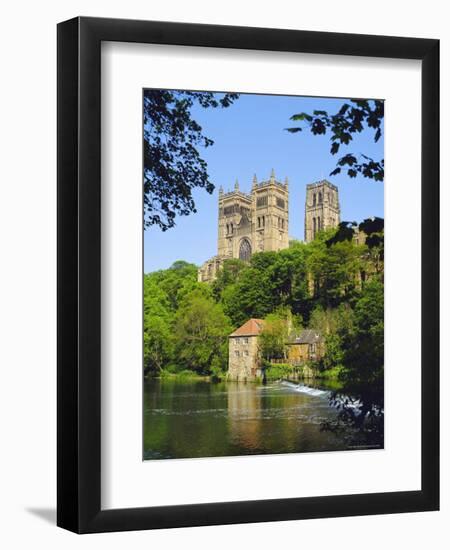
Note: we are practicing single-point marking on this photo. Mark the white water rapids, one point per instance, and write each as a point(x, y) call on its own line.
point(315, 392)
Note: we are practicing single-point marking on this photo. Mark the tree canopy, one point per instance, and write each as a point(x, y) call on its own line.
point(352, 118)
point(173, 165)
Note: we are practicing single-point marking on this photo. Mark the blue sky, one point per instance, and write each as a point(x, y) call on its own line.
point(250, 137)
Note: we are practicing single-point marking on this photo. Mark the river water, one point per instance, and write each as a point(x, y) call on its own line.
point(187, 419)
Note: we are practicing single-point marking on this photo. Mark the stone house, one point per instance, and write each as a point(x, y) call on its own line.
point(244, 358)
point(309, 345)
point(244, 362)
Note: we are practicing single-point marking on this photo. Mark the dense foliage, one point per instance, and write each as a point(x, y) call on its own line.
point(332, 284)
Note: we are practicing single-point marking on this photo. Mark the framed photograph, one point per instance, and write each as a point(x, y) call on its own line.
point(248, 256)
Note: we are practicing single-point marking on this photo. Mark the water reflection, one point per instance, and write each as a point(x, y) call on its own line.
point(201, 419)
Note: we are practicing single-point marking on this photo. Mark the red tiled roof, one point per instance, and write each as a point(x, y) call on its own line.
point(252, 327)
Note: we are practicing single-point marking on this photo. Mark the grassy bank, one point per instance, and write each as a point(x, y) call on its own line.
point(165, 374)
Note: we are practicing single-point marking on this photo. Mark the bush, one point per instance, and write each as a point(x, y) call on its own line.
point(185, 374)
point(278, 371)
point(331, 374)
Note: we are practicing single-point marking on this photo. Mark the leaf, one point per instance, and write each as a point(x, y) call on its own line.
point(302, 116)
point(294, 130)
point(320, 113)
point(377, 134)
point(318, 127)
point(334, 148)
point(343, 109)
point(335, 171)
point(347, 159)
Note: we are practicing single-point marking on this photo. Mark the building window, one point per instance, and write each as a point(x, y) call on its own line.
point(261, 201)
point(314, 227)
point(259, 222)
point(245, 250)
point(314, 199)
point(246, 353)
point(245, 340)
point(236, 353)
point(320, 197)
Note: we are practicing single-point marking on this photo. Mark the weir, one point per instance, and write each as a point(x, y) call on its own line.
point(301, 388)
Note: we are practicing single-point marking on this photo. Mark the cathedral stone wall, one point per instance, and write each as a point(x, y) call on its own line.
point(259, 221)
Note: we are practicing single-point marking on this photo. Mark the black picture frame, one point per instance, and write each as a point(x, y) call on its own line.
point(79, 280)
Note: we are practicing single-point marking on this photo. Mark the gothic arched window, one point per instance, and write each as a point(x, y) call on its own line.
point(314, 199)
point(245, 250)
point(320, 197)
point(314, 226)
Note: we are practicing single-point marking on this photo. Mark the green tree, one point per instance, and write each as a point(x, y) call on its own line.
point(201, 332)
point(227, 276)
point(158, 344)
point(335, 325)
point(335, 270)
point(274, 335)
point(176, 281)
point(250, 296)
point(173, 166)
point(158, 341)
point(363, 375)
point(271, 280)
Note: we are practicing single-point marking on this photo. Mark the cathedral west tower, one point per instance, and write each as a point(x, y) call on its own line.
point(250, 222)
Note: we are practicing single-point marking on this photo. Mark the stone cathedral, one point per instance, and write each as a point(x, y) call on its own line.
point(259, 221)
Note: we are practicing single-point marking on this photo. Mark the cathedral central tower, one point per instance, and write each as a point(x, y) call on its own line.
point(322, 208)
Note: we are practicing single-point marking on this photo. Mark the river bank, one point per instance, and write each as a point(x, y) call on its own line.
point(329, 379)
